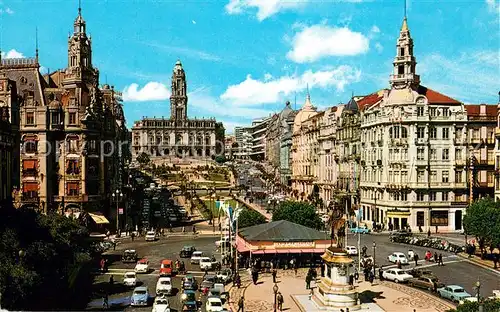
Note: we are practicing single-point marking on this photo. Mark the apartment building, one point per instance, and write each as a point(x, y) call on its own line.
point(258, 132)
point(497, 152)
point(305, 150)
point(7, 170)
point(415, 145)
point(64, 123)
point(243, 146)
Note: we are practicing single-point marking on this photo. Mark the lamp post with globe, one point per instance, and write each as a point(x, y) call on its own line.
point(275, 290)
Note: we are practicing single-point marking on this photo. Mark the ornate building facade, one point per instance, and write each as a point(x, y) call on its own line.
point(71, 132)
point(7, 175)
point(178, 136)
point(415, 144)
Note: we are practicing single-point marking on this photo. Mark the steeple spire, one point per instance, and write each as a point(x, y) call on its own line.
point(80, 7)
point(36, 44)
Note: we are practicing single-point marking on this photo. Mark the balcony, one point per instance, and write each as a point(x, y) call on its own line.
point(460, 162)
point(421, 141)
point(30, 173)
point(29, 199)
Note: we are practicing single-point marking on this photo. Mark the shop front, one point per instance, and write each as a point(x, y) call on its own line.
point(280, 242)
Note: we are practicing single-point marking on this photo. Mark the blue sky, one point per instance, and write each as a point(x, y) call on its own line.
point(245, 58)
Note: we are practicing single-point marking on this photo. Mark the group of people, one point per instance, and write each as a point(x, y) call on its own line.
point(436, 258)
point(180, 266)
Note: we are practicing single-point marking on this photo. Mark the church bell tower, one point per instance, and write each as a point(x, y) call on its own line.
point(404, 74)
point(178, 98)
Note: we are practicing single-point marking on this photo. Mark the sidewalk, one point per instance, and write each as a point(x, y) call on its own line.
point(386, 295)
point(257, 208)
point(487, 264)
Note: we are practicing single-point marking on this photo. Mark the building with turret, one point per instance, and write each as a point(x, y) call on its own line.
point(178, 136)
point(71, 132)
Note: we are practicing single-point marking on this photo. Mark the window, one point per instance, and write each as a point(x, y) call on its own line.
point(72, 188)
point(72, 119)
point(92, 147)
point(404, 196)
point(446, 154)
point(420, 176)
point(404, 176)
point(420, 196)
point(490, 177)
point(433, 176)
point(432, 132)
point(73, 145)
point(433, 154)
point(402, 51)
point(30, 168)
point(30, 189)
point(420, 132)
point(458, 176)
point(55, 118)
point(30, 146)
point(446, 111)
point(445, 176)
point(420, 153)
point(401, 70)
point(458, 133)
point(458, 154)
point(445, 196)
point(439, 218)
point(404, 133)
point(432, 112)
point(432, 196)
point(420, 218)
point(446, 133)
point(72, 167)
point(420, 111)
point(30, 118)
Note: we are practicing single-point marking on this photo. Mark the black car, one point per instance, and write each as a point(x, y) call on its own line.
point(187, 251)
point(130, 255)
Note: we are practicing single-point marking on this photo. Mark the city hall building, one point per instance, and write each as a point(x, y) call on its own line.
point(177, 136)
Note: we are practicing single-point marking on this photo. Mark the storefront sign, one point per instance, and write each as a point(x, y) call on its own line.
point(279, 245)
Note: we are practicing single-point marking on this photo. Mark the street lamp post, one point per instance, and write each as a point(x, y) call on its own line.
point(477, 287)
point(374, 247)
point(117, 196)
point(275, 290)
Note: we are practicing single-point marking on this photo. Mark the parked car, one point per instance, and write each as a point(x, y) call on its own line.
point(396, 275)
point(225, 276)
point(195, 257)
point(166, 268)
point(187, 251)
point(426, 282)
point(189, 283)
point(398, 256)
point(151, 236)
point(351, 250)
point(140, 296)
point(360, 230)
point(164, 286)
point(161, 304)
point(142, 266)
point(454, 293)
point(421, 272)
point(213, 304)
point(129, 255)
point(207, 263)
point(130, 279)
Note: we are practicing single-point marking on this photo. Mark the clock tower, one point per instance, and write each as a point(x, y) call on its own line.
point(178, 98)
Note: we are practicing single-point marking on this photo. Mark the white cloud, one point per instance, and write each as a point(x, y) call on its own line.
point(194, 22)
point(379, 47)
point(257, 92)
point(12, 54)
point(493, 5)
point(9, 11)
point(265, 8)
point(152, 91)
point(318, 41)
point(375, 29)
point(471, 77)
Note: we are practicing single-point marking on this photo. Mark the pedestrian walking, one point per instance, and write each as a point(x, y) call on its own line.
point(441, 259)
point(399, 265)
point(308, 281)
point(429, 233)
point(275, 272)
point(132, 235)
point(415, 257)
point(241, 304)
point(279, 298)
point(105, 301)
point(436, 258)
point(111, 281)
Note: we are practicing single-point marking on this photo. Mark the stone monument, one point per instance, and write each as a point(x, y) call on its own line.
point(334, 292)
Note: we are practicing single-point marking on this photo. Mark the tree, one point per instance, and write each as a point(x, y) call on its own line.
point(482, 220)
point(488, 306)
point(143, 159)
point(250, 217)
point(46, 261)
point(300, 213)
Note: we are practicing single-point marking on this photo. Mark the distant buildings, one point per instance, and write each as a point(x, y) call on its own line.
point(178, 136)
point(69, 143)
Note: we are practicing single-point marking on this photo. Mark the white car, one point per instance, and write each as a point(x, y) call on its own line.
point(398, 256)
point(195, 257)
point(151, 236)
point(164, 286)
point(396, 275)
point(225, 275)
point(130, 279)
point(213, 304)
point(222, 241)
point(351, 250)
point(161, 305)
point(142, 266)
point(207, 264)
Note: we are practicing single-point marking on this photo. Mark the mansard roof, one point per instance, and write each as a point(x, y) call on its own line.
point(474, 110)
